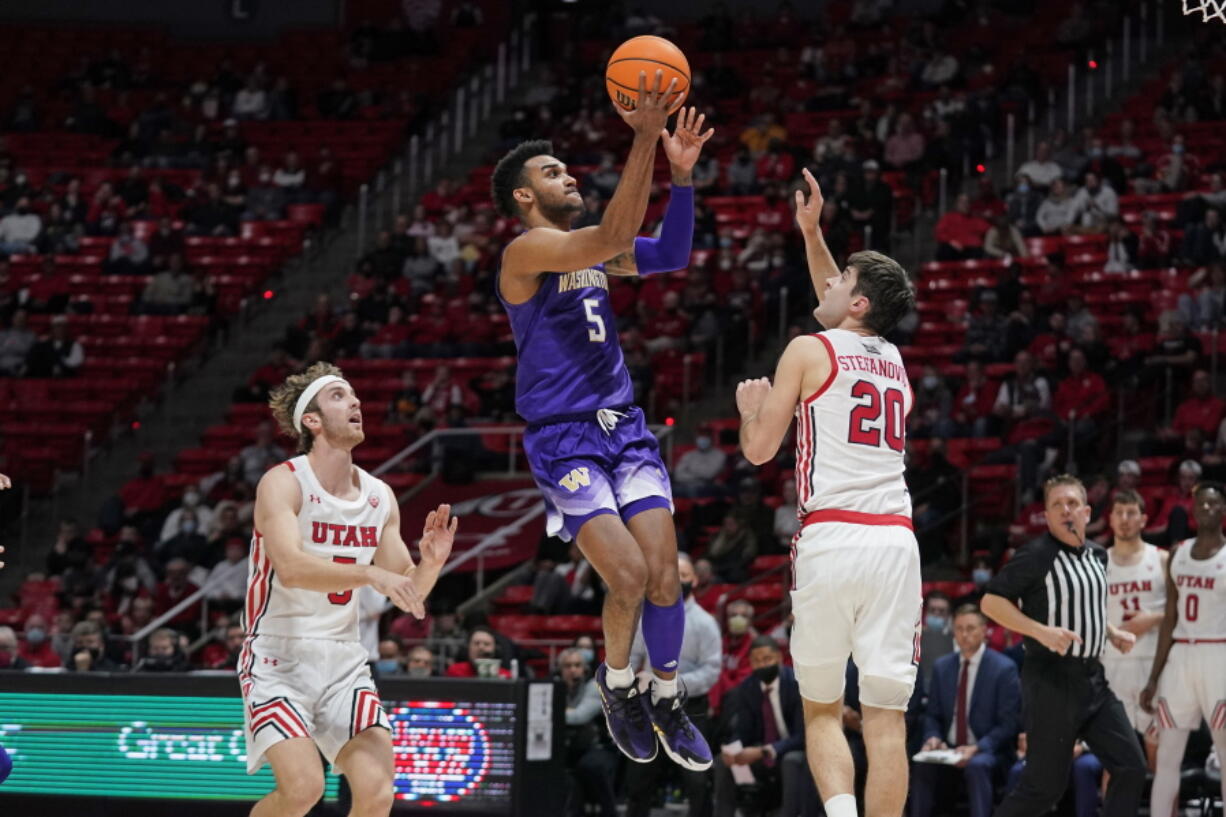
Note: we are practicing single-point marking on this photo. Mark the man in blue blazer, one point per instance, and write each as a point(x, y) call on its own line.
point(974, 702)
point(770, 692)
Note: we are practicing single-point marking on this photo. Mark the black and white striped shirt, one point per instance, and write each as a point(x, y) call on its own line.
point(1060, 586)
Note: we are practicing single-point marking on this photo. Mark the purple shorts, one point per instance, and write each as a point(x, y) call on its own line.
point(584, 471)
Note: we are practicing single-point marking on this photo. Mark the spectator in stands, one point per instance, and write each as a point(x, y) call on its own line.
point(698, 468)
point(1058, 212)
point(1095, 204)
point(750, 506)
point(1176, 352)
point(761, 132)
point(871, 203)
point(444, 247)
point(974, 701)
point(1121, 247)
point(960, 234)
point(732, 549)
point(88, 649)
point(142, 496)
point(936, 639)
point(936, 491)
point(36, 647)
point(985, 334)
point(265, 200)
point(20, 229)
point(261, 454)
point(390, 661)
point(128, 254)
point(127, 570)
point(165, 242)
point(229, 524)
point(211, 215)
point(56, 355)
point(251, 102)
point(1192, 208)
point(482, 647)
point(187, 543)
point(587, 757)
point(165, 654)
point(174, 589)
point(420, 662)
point(768, 720)
point(930, 412)
point(1082, 399)
point(227, 580)
point(191, 501)
point(442, 392)
point(1205, 242)
point(905, 147)
point(10, 657)
point(1022, 206)
point(290, 177)
point(1042, 170)
point(739, 634)
point(1178, 169)
point(974, 402)
point(1201, 410)
point(742, 174)
point(1087, 771)
point(233, 637)
point(787, 521)
point(1003, 239)
point(15, 344)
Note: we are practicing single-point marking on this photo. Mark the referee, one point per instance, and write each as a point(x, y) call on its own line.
point(1054, 592)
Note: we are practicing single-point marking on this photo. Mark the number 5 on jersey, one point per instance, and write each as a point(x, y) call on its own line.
point(596, 334)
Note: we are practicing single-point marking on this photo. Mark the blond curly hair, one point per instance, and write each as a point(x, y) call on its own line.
point(283, 398)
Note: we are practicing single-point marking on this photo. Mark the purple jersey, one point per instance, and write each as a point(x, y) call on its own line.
point(570, 357)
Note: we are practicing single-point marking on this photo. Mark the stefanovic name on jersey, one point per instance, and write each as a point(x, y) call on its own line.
point(882, 368)
point(582, 279)
point(347, 536)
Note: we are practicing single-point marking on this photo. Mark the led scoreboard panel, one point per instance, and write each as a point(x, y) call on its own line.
point(461, 746)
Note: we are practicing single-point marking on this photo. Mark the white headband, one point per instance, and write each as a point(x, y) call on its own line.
point(308, 394)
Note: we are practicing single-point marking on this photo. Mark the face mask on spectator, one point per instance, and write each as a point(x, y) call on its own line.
point(1023, 188)
point(738, 624)
point(1176, 149)
point(930, 381)
point(703, 443)
point(189, 526)
point(36, 636)
point(980, 576)
point(589, 655)
point(767, 675)
point(934, 622)
point(1096, 153)
point(419, 672)
point(687, 589)
point(131, 584)
point(387, 666)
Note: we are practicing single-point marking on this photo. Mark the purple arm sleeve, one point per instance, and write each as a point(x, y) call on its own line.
point(671, 251)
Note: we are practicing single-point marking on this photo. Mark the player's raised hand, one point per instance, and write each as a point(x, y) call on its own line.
point(650, 113)
point(400, 589)
point(684, 144)
point(809, 214)
point(437, 536)
point(751, 394)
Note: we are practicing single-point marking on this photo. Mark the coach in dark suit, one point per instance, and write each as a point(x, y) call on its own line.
point(766, 715)
point(973, 705)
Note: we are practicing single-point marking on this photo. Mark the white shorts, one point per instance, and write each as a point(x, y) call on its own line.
point(1127, 676)
point(857, 593)
point(1192, 686)
point(305, 688)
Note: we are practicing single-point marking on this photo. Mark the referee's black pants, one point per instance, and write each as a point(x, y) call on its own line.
point(1066, 699)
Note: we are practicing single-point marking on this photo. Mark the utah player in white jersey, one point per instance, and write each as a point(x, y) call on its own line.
point(1136, 602)
point(855, 561)
point(324, 528)
point(1188, 679)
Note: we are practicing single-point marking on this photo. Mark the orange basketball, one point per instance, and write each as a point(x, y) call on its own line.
point(647, 54)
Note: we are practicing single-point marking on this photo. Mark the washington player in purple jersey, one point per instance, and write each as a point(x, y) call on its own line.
point(596, 463)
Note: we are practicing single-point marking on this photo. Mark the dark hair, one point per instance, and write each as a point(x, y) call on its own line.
point(509, 174)
point(1210, 485)
point(1128, 497)
point(764, 641)
point(970, 610)
point(884, 282)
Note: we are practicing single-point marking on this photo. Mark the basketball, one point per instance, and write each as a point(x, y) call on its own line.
point(647, 54)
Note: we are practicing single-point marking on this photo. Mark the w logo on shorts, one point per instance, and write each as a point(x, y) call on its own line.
point(576, 479)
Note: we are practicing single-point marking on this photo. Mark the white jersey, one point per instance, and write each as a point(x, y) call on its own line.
point(332, 529)
point(1202, 594)
point(1134, 589)
point(851, 431)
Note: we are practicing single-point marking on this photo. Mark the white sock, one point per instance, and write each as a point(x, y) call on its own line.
point(619, 678)
point(661, 688)
point(1165, 791)
point(841, 805)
